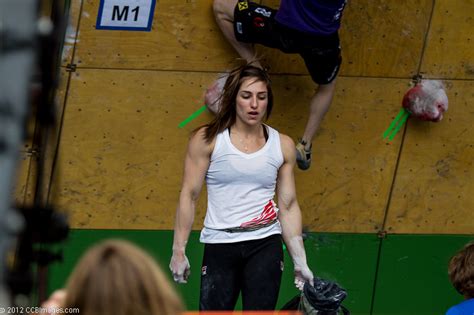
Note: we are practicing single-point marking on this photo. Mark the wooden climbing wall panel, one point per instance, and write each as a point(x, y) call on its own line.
point(450, 46)
point(121, 151)
point(181, 37)
point(347, 186)
point(433, 187)
point(384, 38)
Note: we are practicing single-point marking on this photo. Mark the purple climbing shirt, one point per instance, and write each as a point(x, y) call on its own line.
point(318, 17)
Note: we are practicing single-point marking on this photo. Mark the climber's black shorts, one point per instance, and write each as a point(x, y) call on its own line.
point(254, 23)
point(253, 268)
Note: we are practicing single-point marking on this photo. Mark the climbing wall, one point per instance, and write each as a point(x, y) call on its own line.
point(120, 149)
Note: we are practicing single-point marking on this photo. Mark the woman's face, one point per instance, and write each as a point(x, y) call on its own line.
point(251, 101)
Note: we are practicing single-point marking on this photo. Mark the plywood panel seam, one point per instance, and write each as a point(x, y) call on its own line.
point(410, 78)
point(28, 181)
point(149, 70)
point(375, 77)
point(58, 140)
point(271, 73)
point(66, 93)
point(425, 40)
point(32, 177)
point(190, 71)
point(376, 274)
point(392, 185)
point(77, 33)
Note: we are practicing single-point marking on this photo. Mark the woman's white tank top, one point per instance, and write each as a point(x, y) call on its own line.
point(240, 189)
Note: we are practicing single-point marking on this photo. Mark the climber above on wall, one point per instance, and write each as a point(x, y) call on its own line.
point(309, 28)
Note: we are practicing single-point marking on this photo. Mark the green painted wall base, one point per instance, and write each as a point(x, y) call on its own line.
point(400, 274)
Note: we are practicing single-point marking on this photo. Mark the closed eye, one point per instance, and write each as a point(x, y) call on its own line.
point(246, 95)
point(262, 96)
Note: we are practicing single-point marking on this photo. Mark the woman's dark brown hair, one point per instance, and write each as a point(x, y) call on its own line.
point(226, 115)
point(461, 271)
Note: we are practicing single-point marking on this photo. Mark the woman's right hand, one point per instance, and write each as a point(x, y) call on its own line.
point(180, 267)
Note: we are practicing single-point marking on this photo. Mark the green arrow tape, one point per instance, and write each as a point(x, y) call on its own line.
point(192, 116)
point(396, 124)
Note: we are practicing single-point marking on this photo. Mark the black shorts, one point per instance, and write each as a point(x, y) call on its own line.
point(253, 268)
point(254, 23)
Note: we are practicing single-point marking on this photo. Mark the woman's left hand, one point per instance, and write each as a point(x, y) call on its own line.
point(303, 274)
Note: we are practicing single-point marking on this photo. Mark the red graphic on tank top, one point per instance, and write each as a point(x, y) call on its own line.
point(267, 217)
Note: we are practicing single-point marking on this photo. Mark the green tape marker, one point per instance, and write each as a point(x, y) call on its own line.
point(402, 122)
point(389, 129)
point(192, 116)
point(396, 124)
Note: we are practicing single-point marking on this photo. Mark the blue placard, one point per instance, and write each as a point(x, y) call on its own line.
point(128, 15)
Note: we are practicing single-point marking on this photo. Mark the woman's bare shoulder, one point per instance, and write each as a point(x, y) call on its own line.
point(198, 140)
point(287, 147)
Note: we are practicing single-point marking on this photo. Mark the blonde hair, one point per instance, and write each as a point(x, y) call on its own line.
point(117, 278)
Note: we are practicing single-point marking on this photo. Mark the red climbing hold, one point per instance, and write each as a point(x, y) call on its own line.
point(427, 100)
